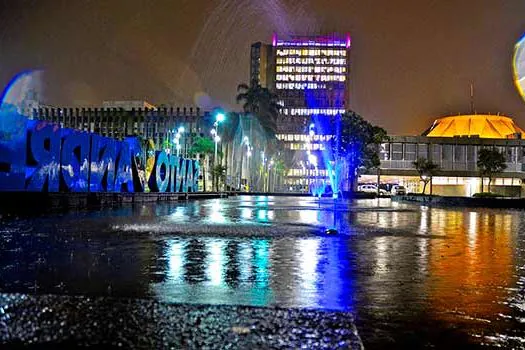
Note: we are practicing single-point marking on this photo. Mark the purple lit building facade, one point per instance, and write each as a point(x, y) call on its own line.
point(310, 74)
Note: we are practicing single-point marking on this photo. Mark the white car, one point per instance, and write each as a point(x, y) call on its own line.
point(398, 190)
point(370, 189)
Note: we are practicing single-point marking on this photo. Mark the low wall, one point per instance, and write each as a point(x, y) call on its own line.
point(444, 201)
point(43, 202)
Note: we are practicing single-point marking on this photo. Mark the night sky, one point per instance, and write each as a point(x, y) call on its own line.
point(413, 60)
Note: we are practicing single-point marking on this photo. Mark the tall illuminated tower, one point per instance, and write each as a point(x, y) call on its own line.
point(310, 74)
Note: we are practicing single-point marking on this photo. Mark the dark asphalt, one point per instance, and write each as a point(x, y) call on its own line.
point(50, 321)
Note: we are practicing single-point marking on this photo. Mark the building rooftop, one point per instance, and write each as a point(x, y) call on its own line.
point(128, 105)
point(333, 40)
point(475, 126)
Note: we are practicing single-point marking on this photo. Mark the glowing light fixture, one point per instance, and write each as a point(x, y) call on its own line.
point(220, 117)
point(519, 66)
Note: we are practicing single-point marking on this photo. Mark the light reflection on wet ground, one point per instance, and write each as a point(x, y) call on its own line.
point(412, 276)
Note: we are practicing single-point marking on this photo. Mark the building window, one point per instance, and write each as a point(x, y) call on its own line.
point(436, 153)
point(511, 154)
point(471, 153)
point(410, 151)
point(459, 153)
point(397, 151)
point(422, 150)
point(448, 152)
point(384, 153)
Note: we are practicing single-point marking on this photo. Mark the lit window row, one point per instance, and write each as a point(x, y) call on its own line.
point(303, 137)
point(307, 172)
point(336, 43)
point(310, 69)
point(299, 86)
point(307, 146)
point(310, 52)
point(310, 77)
point(312, 111)
point(312, 61)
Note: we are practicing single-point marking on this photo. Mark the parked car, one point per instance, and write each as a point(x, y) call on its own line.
point(371, 189)
point(398, 190)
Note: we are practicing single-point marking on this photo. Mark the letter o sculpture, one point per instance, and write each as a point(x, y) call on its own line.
point(162, 181)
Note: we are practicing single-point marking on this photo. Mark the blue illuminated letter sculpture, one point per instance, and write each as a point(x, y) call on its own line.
point(124, 179)
point(13, 133)
point(103, 155)
point(45, 151)
point(75, 161)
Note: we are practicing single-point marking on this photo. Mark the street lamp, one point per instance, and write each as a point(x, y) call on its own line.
point(249, 178)
point(311, 159)
point(271, 179)
point(245, 141)
point(177, 138)
point(220, 117)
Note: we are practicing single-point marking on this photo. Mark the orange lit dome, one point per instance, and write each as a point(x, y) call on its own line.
point(483, 126)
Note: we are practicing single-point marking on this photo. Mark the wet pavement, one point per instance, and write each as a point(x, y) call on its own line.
point(411, 276)
point(68, 322)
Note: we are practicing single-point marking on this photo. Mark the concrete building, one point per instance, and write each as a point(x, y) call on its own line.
point(128, 105)
point(453, 142)
point(159, 125)
point(310, 74)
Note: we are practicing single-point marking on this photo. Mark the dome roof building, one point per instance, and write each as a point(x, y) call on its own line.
point(475, 126)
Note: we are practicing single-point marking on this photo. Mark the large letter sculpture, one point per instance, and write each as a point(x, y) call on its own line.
point(195, 182)
point(39, 156)
point(75, 161)
point(103, 155)
point(13, 130)
point(124, 180)
point(45, 151)
point(160, 177)
point(174, 170)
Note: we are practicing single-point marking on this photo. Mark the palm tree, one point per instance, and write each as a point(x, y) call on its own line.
point(205, 147)
point(262, 103)
point(219, 175)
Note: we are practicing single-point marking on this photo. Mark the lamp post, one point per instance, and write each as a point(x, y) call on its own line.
point(262, 172)
point(219, 117)
point(248, 178)
point(271, 179)
point(177, 138)
point(311, 159)
point(244, 141)
point(304, 172)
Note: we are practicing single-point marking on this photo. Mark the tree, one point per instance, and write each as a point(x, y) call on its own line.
point(426, 170)
point(203, 146)
point(219, 174)
point(357, 141)
point(260, 102)
point(490, 162)
point(279, 169)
